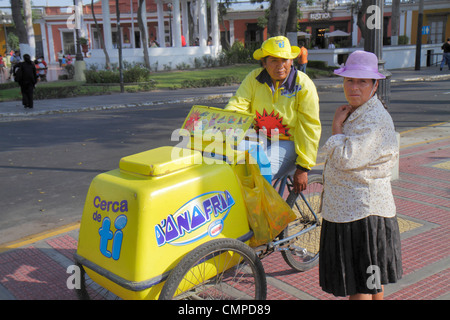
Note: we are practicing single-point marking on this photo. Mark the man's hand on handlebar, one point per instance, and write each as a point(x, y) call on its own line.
point(300, 180)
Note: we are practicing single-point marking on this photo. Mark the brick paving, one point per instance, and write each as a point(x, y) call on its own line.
point(421, 193)
point(39, 271)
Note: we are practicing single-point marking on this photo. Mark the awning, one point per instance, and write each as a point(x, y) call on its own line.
point(337, 33)
point(303, 34)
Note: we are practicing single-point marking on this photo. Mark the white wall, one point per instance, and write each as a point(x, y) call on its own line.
point(396, 57)
point(159, 57)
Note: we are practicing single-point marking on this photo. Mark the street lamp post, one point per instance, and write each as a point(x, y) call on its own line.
point(119, 47)
point(80, 64)
point(78, 55)
point(419, 36)
point(374, 43)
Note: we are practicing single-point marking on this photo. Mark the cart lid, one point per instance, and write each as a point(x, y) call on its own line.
point(160, 161)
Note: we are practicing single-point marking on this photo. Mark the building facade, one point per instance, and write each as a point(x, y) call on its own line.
point(189, 29)
point(317, 21)
point(176, 31)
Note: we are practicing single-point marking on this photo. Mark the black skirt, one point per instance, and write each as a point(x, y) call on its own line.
point(359, 256)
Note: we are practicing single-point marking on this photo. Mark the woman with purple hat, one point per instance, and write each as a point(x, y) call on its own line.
point(360, 241)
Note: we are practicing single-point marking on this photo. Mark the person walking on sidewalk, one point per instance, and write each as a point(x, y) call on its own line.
point(446, 57)
point(360, 239)
point(26, 76)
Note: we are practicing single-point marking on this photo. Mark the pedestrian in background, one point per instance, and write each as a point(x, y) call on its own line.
point(15, 60)
point(446, 57)
point(63, 61)
point(302, 58)
point(26, 77)
point(60, 57)
point(360, 238)
point(2, 67)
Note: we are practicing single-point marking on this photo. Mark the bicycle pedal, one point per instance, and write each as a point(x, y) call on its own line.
point(284, 247)
point(297, 251)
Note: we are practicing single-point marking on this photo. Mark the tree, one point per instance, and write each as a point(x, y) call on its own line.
point(24, 30)
point(292, 20)
point(278, 17)
point(102, 40)
point(21, 30)
point(395, 22)
point(222, 11)
point(362, 9)
point(31, 48)
point(282, 17)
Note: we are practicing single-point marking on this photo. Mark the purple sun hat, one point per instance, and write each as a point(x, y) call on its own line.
point(360, 65)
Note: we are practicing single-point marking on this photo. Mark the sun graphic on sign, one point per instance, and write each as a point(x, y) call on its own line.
point(190, 122)
point(271, 122)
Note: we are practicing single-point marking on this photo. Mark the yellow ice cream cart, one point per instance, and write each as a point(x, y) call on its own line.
point(172, 222)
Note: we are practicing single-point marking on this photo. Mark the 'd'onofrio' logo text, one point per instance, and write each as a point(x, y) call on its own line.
point(185, 225)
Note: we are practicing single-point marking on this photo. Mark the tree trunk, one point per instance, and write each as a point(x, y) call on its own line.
point(102, 40)
point(31, 47)
point(395, 22)
point(278, 16)
point(21, 31)
point(361, 21)
point(143, 34)
point(292, 20)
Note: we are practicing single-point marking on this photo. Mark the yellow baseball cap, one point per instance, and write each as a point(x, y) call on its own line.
point(278, 47)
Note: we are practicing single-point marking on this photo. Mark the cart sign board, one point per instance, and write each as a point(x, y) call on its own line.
point(232, 124)
point(201, 216)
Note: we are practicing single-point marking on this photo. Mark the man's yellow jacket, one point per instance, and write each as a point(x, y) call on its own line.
point(290, 108)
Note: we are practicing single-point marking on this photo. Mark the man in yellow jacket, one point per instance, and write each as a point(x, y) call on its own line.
point(285, 103)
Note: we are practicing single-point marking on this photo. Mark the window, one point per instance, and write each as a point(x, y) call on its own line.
point(68, 42)
point(437, 29)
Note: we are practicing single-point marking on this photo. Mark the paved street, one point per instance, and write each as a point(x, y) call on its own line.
point(34, 259)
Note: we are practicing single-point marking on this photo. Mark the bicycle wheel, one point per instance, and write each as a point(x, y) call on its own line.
point(304, 253)
point(221, 269)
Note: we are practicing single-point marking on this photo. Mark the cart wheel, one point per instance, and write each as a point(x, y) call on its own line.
point(304, 253)
point(221, 269)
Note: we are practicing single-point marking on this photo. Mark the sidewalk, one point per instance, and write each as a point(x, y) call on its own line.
point(36, 267)
point(14, 109)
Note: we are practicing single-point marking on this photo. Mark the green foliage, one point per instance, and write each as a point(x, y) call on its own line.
point(402, 40)
point(9, 85)
point(210, 82)
point(238, 54)
point(134, 74)
point(101, 76)
point(55, 92)
point(13, 41)
point(317, 64)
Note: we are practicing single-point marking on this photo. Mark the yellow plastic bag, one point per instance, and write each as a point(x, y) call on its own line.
point(268, 213)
